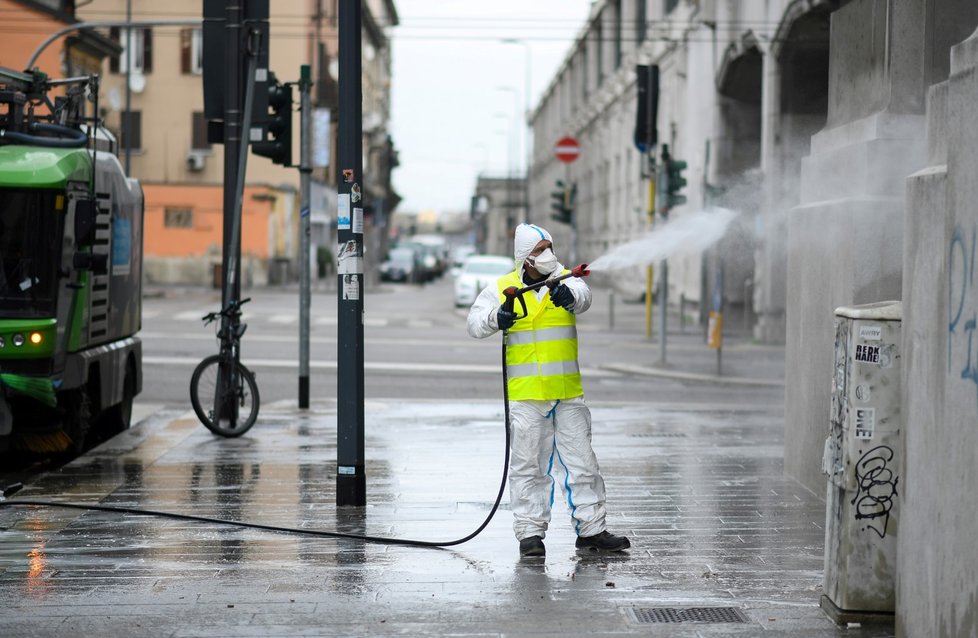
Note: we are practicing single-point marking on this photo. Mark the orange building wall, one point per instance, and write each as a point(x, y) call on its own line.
point(21, 31)
point(206, 202)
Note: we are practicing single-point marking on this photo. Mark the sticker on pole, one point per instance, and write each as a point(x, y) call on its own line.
point(567, 150)
point(351, 287)
point(358, 221)
point(343, 212)
point(349, 260)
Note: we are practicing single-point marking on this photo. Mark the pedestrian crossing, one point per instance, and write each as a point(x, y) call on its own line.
point(273, 318)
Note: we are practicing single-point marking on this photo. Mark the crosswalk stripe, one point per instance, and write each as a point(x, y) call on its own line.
point(380, 366)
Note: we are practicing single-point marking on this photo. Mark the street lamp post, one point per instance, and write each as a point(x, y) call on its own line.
point(514, 149)
point(525, 146)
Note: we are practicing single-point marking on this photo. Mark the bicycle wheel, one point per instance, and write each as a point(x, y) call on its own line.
point(242, 400)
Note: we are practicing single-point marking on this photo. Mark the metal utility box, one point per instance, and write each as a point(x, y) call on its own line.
point(863, 459)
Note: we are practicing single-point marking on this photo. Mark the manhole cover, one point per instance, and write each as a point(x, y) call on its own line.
point(686, 614)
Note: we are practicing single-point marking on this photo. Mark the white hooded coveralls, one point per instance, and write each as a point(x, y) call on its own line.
point(546, 435)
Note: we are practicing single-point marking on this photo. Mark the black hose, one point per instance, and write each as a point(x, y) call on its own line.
point(67, 137)
point(304, 532)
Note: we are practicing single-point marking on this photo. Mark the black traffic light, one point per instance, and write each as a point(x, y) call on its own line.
point(562, 202)
point(276, 143)
point(676, 182)
point(646, 135)
point(674, 179)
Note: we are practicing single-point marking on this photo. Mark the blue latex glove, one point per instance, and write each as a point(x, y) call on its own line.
point(562, 297)
point(505, 319)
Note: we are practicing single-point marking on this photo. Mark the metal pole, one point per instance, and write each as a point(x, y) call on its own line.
point(305, 170)
point(351, 481)
point(574, 217)
point(128, 116)
point(650, 269)
point(662, 188)
point(233, 59)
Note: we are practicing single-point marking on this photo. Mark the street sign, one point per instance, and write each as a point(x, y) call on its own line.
point(566, 149)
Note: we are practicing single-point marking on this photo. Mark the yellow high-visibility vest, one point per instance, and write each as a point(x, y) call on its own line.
point(541, 349)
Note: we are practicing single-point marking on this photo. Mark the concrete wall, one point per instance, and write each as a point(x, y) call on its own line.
point(937, 584)
point(851, 209)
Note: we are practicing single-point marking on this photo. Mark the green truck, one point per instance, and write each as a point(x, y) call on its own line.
point(71, 228)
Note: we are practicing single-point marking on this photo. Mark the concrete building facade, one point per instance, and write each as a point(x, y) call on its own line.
point(743, 86)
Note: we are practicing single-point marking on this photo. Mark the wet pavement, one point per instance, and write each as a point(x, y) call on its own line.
point(698, 489)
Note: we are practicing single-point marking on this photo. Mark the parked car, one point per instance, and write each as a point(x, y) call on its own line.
point(458, 256)
point(477, 272)
point(402, 264)
point(430, 266)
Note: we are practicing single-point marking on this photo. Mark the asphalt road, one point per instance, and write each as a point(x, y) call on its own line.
point(415, 346)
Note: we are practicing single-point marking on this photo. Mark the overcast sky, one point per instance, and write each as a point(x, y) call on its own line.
point(459, 90)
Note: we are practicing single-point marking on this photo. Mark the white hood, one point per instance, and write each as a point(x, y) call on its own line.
point(525, 240)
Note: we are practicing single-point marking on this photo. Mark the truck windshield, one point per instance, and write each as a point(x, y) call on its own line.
point(30, 251)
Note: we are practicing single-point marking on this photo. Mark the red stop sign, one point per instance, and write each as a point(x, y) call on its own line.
point(566, 149)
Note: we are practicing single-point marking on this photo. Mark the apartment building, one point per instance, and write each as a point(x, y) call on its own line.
point(152, 98)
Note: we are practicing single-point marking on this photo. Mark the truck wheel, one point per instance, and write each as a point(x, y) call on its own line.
point(78, 420)
point(117, 418)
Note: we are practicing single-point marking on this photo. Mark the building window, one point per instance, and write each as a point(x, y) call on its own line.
point(198, 128)
point(178, 217)
point(191, 51)
point(140, 57)
point(130, 130)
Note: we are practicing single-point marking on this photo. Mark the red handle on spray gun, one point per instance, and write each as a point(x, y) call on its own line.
point(513, 293)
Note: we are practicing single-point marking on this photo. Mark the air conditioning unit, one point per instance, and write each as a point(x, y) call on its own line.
point(195, 161)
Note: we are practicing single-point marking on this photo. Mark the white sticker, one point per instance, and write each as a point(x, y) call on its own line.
point(871, 333)
point(346, 469)
point(358, 221)
point(343, 212)
point(351, 287)
point(261, 75)
point(863, 393)
point(349, 261)
point(865, 423)
point(256, 134)
point(867, 354)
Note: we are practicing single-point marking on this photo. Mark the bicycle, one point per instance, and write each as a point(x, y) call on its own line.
point(222, 383)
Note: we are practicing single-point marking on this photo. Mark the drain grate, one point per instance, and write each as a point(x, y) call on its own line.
point(647, 615)
point(653, 435)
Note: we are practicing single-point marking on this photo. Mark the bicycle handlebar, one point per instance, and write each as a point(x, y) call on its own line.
point(233, 308)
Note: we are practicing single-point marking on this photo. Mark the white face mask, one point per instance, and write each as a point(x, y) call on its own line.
point(544, 263)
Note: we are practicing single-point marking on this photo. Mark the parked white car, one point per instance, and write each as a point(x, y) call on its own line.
point(477, 272)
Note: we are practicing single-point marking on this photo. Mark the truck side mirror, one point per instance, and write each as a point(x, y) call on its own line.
point(86, 210)
point(98, 264)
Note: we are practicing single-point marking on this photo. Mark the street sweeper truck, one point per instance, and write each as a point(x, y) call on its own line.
point(71, 228)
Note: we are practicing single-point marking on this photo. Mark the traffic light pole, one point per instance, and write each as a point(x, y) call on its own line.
point(573, 215)
point(650, 269)
point(305, 168)
point(662, 190)
point(351, 482)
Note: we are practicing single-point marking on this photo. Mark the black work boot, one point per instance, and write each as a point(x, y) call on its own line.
point(603, 542)
point(532, 546)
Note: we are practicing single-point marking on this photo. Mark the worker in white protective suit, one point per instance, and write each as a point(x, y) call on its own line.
point(551, 423)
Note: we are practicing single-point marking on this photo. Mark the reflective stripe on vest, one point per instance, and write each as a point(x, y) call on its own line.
point(541, 349)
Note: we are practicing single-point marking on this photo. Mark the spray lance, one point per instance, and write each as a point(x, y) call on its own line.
point(513, 293)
